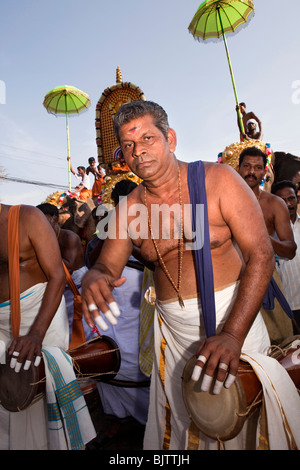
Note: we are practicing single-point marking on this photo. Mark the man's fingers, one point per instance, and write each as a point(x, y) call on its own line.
point(114, 308)
point(110, 315)
point(221, 374)
point(229, 381)
point(220, 377)
point(201, 360)
point(37, 361)
point(119, 282)
point(100, 322)
point(14, 359)
point(16, 363)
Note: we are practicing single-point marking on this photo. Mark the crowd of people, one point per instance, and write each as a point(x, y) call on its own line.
point(211, 274)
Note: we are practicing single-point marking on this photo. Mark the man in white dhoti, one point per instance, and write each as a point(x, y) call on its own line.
point(73, 257)
point(148, 145)
point(31, 273)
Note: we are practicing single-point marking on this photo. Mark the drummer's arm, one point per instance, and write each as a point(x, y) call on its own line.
point(49, 257)
point(249, 231)
point(47, 252)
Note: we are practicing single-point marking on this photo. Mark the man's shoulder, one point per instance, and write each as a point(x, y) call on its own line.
point(217, 168)
point(69, 235)
point(273, 202)
point(270, 197)
point(31, 211)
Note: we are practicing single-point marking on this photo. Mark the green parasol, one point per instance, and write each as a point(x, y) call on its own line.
point(66, 100)
point(214, 19)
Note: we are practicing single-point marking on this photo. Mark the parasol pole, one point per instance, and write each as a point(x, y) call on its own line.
point(231, 73)
point(68, 144)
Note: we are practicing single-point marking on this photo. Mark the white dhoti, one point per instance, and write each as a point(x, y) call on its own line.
point(28, 429)
point(177, 335)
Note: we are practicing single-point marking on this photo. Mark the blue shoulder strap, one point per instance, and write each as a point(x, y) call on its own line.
point(273, 293)
point(202, 253)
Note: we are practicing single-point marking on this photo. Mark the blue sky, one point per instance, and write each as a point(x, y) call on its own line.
point(45, 44)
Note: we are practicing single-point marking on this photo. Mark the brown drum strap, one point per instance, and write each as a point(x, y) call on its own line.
point(14, 269)
point(78, 336)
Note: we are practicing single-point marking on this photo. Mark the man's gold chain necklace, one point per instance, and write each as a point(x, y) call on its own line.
point(180, 244)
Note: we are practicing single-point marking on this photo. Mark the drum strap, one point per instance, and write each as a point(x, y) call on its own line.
point(200, 227)
point(78, 336)
point(14, 269)
point(274, 292)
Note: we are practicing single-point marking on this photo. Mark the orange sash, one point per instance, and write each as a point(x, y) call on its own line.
point(13, 268)
point(78, 336)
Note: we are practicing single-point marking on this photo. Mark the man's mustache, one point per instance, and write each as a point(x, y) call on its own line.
point(250, 176)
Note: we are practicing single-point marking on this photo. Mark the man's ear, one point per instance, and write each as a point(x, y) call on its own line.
point(172, 140)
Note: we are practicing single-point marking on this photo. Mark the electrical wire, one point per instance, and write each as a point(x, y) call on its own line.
point(37, 183)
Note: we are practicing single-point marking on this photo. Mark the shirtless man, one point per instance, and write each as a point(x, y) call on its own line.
point(148, 145)
point(245, 118)
point(252, 164)
point(72, 256)
point(253, 132)
point(40, 262)
point(289, 270)
point(43, 322)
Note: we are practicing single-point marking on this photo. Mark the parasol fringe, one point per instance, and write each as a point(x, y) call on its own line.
point(228, 34)
point(71, 115)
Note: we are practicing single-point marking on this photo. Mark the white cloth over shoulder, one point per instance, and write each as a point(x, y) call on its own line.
point(282, 401)
point(69, 423)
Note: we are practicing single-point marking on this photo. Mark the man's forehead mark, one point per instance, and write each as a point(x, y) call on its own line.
point(133, 129)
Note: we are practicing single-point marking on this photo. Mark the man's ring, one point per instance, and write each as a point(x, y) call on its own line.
point(15, 354)
point(92, 307)
point(223, 366)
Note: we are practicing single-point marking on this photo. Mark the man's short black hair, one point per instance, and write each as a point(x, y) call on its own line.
point(48, 209)
point(252, 152)
point(122, 188)
point(284, 184)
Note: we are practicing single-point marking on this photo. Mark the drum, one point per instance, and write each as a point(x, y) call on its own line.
point(99, 358)
point(19, 390)
point(221, 417)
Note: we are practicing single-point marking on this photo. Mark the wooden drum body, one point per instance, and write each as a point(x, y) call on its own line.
point(221, 417)
point(99, 359)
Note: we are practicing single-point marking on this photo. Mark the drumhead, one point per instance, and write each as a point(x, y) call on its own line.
point(216, 416)
point(99, 358)
point(17, 390)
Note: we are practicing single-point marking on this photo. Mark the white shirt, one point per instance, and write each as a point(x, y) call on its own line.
point(289, 271)
point(85, 180)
